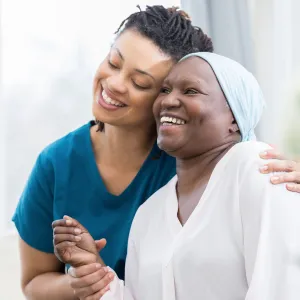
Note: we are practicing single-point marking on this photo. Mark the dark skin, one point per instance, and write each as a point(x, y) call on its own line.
point(198, 99)
point(208, 133)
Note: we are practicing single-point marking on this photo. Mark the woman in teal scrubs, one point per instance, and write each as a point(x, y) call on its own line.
point(103, 171)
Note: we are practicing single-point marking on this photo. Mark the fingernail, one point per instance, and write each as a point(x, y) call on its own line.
point(68, 222)
point(77, 238)
point(290, 186)
point(264, 168)
point(77, 231)
point(264, 153)
point(111, 276)
point(98, 266)
point(274, 179)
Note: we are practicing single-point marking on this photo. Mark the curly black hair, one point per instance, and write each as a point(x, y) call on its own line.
point(170, 29)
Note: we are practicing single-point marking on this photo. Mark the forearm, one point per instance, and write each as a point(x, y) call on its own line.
point(49, 286)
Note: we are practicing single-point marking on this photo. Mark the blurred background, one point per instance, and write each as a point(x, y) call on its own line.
point(49, 52)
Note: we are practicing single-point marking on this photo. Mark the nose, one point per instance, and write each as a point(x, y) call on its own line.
point(170, 101)
point(116, 83)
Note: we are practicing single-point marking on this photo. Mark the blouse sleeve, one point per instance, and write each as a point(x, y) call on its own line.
point(129, 290)
point(271, 232)
point(34, 213)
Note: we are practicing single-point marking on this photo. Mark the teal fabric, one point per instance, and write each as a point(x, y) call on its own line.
point(241, 90)
point(65, 181)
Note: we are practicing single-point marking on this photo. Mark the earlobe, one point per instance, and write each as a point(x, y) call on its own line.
point(233, 127)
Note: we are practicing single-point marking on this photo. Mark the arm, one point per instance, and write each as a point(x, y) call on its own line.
point(277, 163)
point(41, 271)
point(271, 226)
point(93, 282)
point(41, 276)
point(128, 291)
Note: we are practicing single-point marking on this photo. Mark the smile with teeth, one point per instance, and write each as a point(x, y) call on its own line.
point(110, 101)
point(171, 121)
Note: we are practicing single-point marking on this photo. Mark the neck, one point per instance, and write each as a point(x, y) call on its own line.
point(197, 170)
point(123, 147)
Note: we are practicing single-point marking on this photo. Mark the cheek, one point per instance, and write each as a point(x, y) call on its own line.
point(156, 106)
point(102, 72)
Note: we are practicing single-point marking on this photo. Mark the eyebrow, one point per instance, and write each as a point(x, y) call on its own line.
point(136, 70)
point(144, 73)
point(187, 81)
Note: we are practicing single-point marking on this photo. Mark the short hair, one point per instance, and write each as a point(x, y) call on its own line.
point(170, 29)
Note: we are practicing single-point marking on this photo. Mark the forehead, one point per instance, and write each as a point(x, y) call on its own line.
point(141, 53)
point(193, 68)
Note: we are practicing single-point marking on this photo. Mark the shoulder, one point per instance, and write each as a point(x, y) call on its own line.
point(64, 146)
point(246, 151)
point(244, 157)
point(154, 206)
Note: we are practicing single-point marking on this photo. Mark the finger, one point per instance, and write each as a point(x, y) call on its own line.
point(293, 187)
point(64, 230)
point(287, 177)
point(60, 238)
point(278, 166)
point(74, 223)
point(103, 291)
point(98, 295)
point(271, 154)
point(84, 270)
point(100, 244)
point(89, 279)
point(94, 288)
point(61, 222)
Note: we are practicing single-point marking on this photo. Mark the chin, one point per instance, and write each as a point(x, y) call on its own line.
point(169, 147)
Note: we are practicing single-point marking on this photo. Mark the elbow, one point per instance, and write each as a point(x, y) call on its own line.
point(26, 286)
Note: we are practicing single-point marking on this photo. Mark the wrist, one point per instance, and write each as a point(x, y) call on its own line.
point(100, 261)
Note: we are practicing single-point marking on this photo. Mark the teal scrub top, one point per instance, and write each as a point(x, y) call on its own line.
point(65, 181)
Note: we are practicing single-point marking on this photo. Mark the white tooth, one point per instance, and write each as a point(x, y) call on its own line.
point(178, 122)
point(174, 121)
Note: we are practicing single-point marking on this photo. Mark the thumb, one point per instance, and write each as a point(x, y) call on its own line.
point(100, 244)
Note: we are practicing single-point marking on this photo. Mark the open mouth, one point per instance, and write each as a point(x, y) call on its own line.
point(110, 101)
point(168, 121)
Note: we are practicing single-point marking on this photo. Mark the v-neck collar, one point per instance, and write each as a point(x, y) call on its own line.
point(171, 207)
point(96, 176)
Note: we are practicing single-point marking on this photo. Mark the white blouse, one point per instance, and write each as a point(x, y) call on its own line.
point(242, 241)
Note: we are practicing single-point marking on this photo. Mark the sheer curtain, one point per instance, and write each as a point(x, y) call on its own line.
point(263, 36)
point(50, 50)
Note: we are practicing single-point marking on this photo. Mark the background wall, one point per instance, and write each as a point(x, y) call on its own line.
point(50, 50)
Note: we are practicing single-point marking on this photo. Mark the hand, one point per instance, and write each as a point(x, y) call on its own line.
point(279, 164)
point(73, 244)
point(90, 282)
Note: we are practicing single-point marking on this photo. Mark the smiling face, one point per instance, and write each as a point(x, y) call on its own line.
point(128, 81)
point(191, 111)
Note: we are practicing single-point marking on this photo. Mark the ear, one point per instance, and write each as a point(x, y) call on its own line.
point(234, 126)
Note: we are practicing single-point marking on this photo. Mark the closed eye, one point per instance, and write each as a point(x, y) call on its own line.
point(139, 87)
point(112, 65)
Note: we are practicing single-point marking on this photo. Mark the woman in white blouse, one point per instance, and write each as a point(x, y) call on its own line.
point(219, 229)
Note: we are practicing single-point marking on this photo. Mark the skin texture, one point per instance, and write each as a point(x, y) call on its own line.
point(125, 143)
point(128, 138)
point(208, 133)
point(198, 99)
